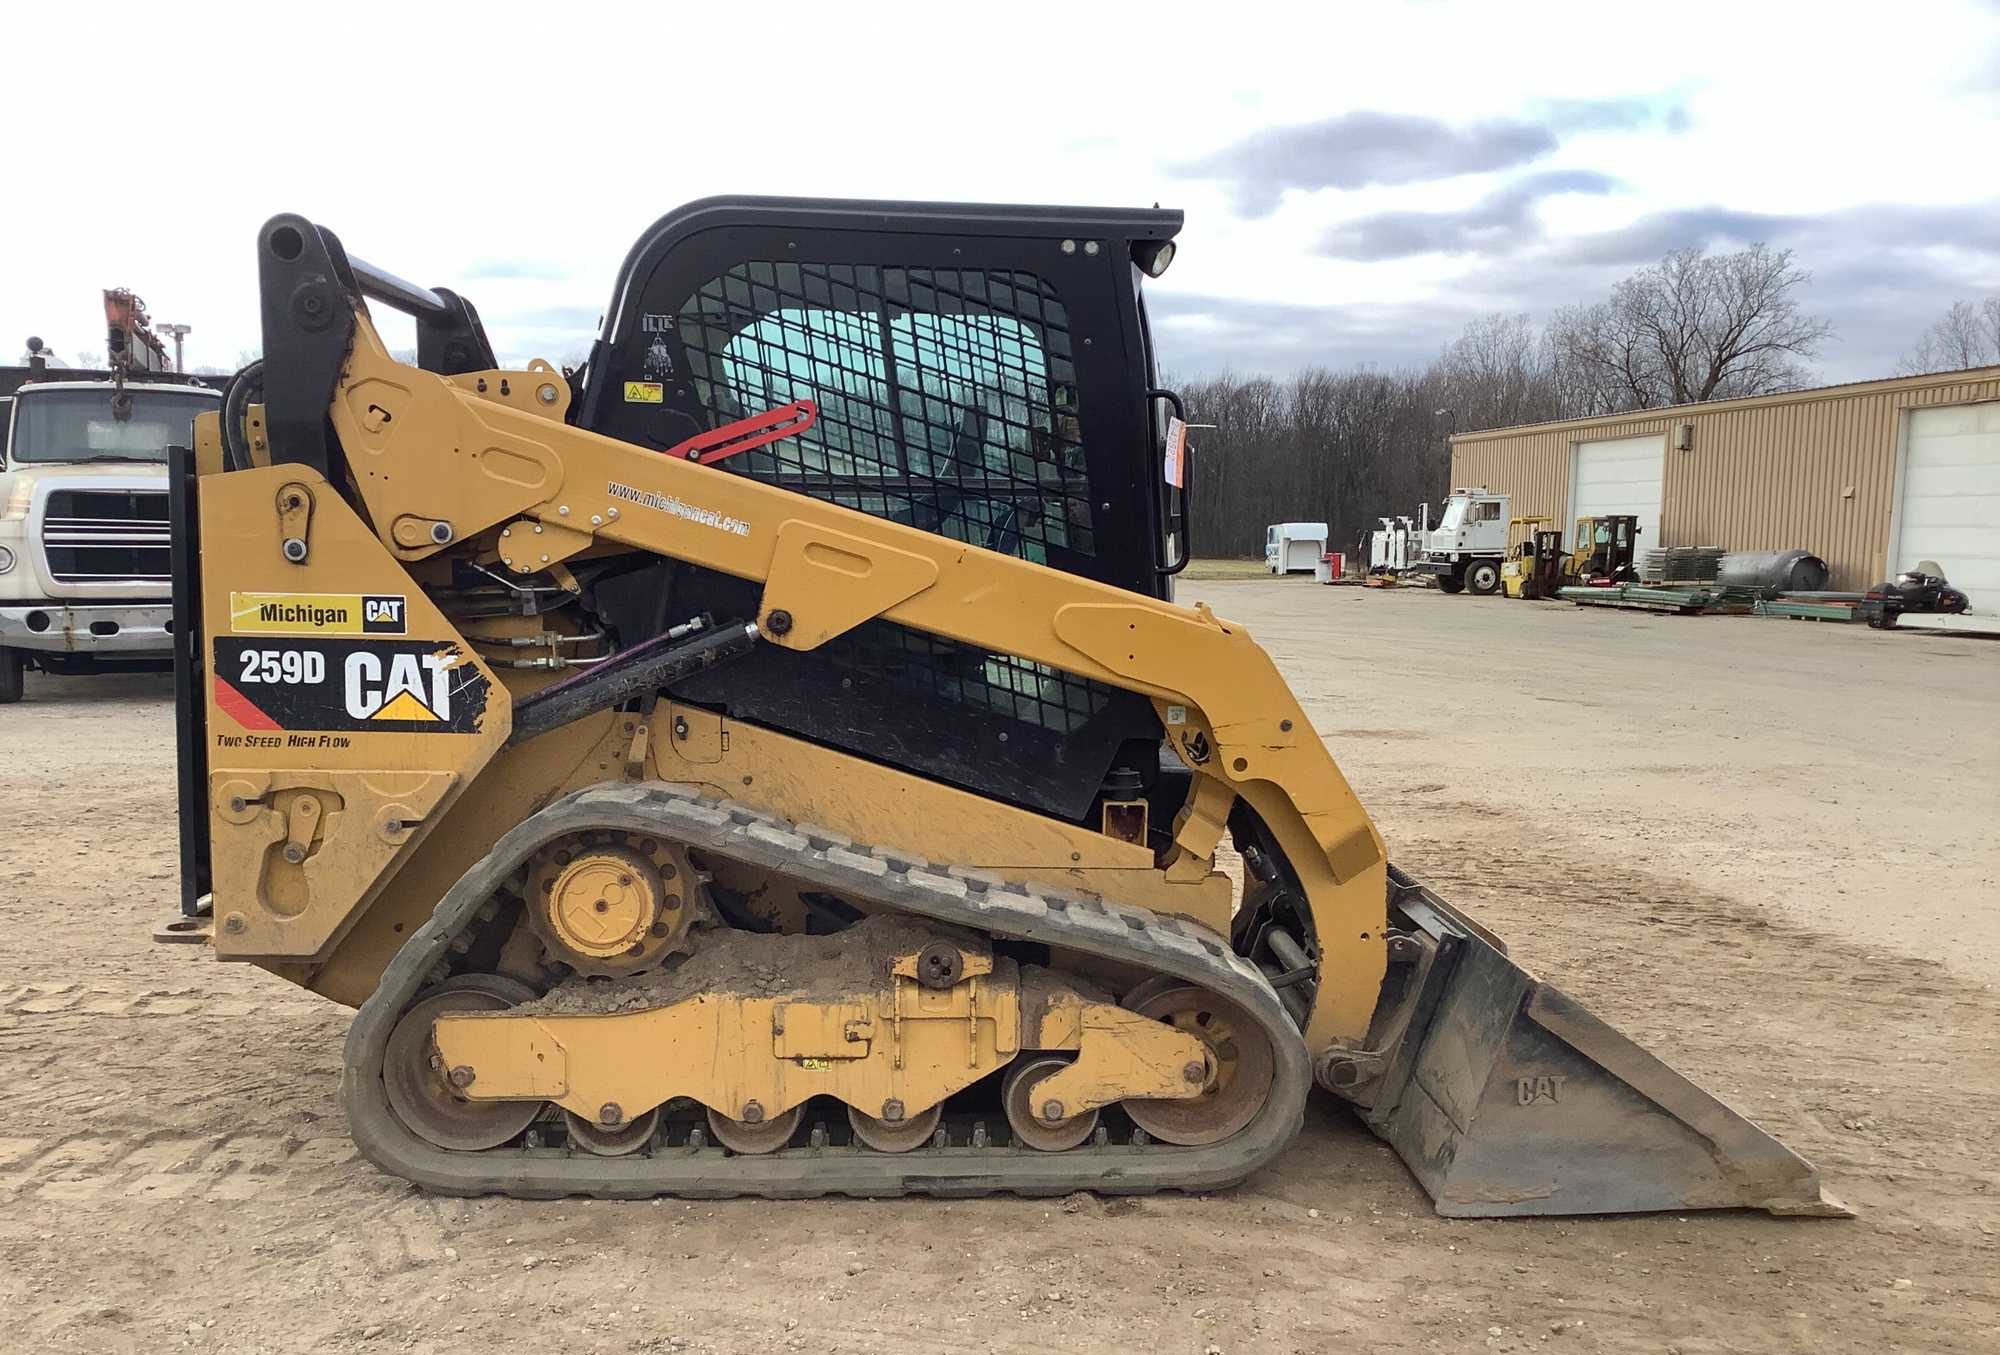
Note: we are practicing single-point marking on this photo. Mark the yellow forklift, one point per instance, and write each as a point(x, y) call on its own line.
point(1534, 564)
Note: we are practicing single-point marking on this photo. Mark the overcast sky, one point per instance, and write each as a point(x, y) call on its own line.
point(1359, 180)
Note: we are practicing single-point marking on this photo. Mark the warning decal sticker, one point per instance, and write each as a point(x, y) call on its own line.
point(318, 613)
point(645, 392)
point(379, 686)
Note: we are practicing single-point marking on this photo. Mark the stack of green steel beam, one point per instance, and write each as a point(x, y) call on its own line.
point(1640, 597)
point(1809, 611)
point(1716, 598)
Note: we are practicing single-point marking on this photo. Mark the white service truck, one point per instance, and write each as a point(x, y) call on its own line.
point(86, 568)
point(1466, 547)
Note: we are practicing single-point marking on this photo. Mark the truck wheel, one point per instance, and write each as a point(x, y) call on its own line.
point(11, 667)
point(1483, 577)
point(1452, 583)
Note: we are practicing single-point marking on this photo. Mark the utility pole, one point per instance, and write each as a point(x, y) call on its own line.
point(177, 333)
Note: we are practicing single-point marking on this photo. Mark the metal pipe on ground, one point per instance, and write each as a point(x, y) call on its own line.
point(1786, 570)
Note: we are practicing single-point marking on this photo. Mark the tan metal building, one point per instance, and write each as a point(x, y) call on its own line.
point(1871, 477)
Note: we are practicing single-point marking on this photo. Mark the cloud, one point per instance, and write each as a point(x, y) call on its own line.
point(558, 333)
point(1501, 221)
point(1870, 228)
point(566, 318)
point(1611, 115)
point(533, 270)
point(1504, 223)
point(1650, 238)
point(1881, 303)
point(1202, 335)
point(1364, 147)
point(1880, 272)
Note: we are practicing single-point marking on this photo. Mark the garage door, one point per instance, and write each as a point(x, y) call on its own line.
point(1950, 509)
point(1619, 476)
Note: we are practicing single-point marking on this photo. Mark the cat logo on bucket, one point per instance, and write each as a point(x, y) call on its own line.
point(1530, 1090)
point(398, 686)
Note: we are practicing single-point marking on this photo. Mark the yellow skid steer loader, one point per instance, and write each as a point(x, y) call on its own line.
point(768, 760)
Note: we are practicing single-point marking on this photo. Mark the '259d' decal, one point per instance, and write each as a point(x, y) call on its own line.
point(385, 686)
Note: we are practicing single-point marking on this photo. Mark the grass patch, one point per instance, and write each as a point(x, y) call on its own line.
point(1227, 569)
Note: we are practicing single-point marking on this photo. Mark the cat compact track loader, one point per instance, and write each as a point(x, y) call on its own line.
point(769, 760)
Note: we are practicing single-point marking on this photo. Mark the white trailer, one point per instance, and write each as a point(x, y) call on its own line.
point(1294, 547)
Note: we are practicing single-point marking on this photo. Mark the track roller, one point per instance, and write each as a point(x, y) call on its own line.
point(755, 1136)
point(626, 1138)
point(1045, 1133)
point(896, 1136)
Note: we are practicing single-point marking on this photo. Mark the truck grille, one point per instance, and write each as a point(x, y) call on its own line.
point(100, 535)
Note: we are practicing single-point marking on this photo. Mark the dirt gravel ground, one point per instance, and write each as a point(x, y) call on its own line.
point(1767, 849)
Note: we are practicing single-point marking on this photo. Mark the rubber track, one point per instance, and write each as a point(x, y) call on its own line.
point(1133, 936)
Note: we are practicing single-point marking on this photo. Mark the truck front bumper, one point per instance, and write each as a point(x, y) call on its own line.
point(126, 629)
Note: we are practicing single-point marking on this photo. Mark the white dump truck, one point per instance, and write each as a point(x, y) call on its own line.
point(1466, 547)
point(85, 543)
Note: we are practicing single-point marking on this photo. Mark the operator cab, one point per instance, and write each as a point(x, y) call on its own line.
point(983, 373)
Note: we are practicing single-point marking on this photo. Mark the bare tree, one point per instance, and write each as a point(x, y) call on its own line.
point(1967, 335)
point(1498, 373)
point(1695, 327)
point(1605, 363)
point(1339, 446)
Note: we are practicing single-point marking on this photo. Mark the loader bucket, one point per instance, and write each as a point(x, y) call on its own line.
point(1506, 1096)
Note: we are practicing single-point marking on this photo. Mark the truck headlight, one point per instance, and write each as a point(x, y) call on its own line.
point(16, 501)
point(6, 560)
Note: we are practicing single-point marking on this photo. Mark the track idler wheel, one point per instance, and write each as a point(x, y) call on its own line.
point(420, 1088)
point(1031, 1119)
point(752, 1136)
point(1238, 1083)
point(896, 1136)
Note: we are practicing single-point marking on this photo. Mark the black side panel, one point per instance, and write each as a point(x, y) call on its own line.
point(190, 681)
point(990, 723)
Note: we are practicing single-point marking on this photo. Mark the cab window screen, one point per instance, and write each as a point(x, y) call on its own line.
point(947, 397)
